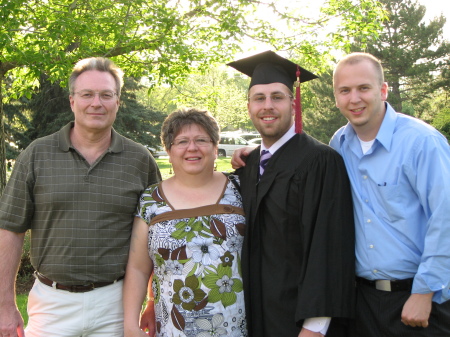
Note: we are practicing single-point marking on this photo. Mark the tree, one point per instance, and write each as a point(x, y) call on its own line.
point(413, 53)
point(442, 122)
point(322, 118)
point(137, 121)
point(48, 110)
point(16, 126)
point(160, 39)
point(214, 91)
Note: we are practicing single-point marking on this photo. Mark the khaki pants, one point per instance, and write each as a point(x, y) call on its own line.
point(54, 312)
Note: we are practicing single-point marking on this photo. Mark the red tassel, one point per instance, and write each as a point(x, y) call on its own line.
point(298, 104)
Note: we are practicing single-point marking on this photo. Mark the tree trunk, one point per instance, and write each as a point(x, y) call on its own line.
point(396, 101)
point(2, 139)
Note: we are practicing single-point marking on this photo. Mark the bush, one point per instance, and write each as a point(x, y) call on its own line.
point(442, 122)
point(26, 269)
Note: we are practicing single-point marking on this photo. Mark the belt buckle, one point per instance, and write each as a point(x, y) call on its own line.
point(384, 285)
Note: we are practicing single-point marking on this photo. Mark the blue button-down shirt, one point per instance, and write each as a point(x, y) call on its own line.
point(401, 196)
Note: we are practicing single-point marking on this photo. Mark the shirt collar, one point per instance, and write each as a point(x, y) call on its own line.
point(280, 142)
point(387, 127)
point(385, 133)
point(65, 144)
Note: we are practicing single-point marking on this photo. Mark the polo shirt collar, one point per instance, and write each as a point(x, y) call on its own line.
point(117, 144)
point(64, 137)
point(65, 144)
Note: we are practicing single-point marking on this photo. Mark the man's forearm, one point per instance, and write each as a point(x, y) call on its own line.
point(10, 252)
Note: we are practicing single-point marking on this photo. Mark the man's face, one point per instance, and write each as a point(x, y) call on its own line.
point(97, 113)
point(360, 97)
point(271, 109)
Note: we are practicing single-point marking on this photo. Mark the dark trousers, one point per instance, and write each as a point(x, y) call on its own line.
point(378, 314)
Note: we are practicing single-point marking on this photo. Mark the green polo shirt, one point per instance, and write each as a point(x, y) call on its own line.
point(80, 215)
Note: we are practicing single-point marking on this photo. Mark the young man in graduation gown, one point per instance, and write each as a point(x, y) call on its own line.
point(298, 254)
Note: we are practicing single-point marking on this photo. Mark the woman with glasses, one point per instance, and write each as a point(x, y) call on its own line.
point(189, 231)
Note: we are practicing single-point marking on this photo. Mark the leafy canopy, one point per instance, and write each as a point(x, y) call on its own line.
point(160, 39)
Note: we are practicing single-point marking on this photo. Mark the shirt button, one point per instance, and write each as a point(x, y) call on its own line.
point(367, 200)
point(364, 177)
point(375, 271)
point(369, 221)
point(371, 246)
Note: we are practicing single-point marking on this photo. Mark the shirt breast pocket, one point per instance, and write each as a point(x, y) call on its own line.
point(389, 203)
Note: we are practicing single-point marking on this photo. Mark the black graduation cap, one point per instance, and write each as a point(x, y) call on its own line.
point(268, 67)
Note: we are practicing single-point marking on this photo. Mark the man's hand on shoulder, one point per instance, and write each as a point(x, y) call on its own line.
point(240, 157)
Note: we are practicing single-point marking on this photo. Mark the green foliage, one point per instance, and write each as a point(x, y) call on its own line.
point(25, 269)
point(362, 24)
point(322, 119)
point(137, 121)
point(49, 110)
point(412, 53)
point(442, 122)
point(16, 125)
point(215, 92)
point(161, 98)
point(161, 40)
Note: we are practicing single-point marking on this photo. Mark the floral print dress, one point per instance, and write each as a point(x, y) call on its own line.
point(196, 253)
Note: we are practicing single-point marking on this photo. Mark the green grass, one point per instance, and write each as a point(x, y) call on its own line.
point(222, 164)
point(22, 300)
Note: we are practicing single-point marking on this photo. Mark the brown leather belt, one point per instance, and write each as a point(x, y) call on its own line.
point(387, 285)
point(75, 288)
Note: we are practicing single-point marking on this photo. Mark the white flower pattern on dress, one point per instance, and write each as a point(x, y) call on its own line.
point(234, 244)
point(225, 284)
point(175, 267)
point(197, 281)
point(203, 250)
point(211, 328)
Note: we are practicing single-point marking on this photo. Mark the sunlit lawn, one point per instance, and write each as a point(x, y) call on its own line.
point(223, 165)
point(22, 300)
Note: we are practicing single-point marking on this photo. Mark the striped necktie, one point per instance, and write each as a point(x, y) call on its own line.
point(265, 156)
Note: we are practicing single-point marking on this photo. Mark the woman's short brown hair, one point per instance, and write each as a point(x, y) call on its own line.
point(179, 118)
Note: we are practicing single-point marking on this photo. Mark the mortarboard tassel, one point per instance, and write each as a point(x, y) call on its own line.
point(298, 104)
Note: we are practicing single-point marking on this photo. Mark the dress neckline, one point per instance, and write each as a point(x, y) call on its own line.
point(164, 197)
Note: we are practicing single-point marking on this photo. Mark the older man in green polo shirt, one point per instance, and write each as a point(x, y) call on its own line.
point(77, 191)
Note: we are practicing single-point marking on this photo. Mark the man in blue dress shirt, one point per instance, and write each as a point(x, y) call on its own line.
point(399, 168)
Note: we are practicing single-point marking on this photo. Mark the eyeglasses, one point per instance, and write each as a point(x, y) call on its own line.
point(183, 143)
point(88, 95)
point(278, 97)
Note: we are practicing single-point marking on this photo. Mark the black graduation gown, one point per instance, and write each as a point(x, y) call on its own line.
point(298, 255)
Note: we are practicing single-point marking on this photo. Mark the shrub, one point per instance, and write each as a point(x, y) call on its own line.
point(26, 269)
